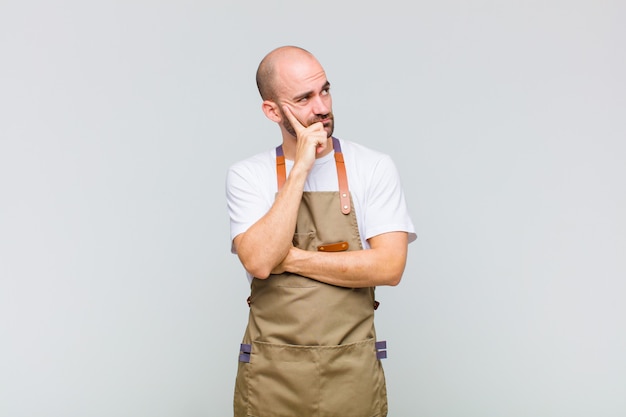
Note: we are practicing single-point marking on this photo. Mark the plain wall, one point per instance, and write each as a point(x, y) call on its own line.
point(118, 121)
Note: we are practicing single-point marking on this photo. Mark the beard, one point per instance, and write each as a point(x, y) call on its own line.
point(329, 126)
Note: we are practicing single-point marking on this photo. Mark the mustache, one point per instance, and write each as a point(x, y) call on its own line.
point(321, 117)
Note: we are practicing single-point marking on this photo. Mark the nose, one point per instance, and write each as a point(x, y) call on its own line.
point(321, 105)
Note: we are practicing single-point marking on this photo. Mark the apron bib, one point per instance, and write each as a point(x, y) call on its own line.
point(310, 348)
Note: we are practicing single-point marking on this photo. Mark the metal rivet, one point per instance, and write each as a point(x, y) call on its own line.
point(345, 207)
point(344, 195)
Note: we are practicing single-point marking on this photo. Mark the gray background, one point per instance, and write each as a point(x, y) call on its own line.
point(118, 120)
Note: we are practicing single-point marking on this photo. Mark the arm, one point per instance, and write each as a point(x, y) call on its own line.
point(382, 264)
point(266, 243)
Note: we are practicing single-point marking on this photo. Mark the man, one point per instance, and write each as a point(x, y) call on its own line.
point(317, 223)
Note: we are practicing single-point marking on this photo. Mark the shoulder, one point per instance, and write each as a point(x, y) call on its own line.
point(363, 159)
point(257, 166)
point(261, 160)
point(347, 146)
point(356, 150)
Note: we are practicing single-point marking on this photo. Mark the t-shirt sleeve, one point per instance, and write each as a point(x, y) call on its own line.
point(248, 197)
point(386, 208)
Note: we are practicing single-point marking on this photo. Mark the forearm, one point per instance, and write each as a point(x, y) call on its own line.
point(383, 264)
point(266, 243)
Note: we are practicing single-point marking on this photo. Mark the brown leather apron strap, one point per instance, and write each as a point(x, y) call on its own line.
point(344, 193)
point(281, 170)
point(342, 177)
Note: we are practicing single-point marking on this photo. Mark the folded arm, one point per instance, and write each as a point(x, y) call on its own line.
point(382, 264)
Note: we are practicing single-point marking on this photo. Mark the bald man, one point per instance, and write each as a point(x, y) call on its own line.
point(317, 223)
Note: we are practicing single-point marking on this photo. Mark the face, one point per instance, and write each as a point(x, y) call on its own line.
point(306, 91)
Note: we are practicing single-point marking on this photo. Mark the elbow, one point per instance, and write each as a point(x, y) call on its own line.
point(258, 263)
point(394, 279)
point(388, 279)
point(257, 271)
point(261, 274)
point(394, 275)
point(253, 265)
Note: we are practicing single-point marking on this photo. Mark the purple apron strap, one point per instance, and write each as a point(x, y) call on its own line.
point(381, 353)
point(244, 353)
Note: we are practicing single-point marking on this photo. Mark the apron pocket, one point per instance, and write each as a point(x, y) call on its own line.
point(353, 381)
point(283, 381)
point(316, 381)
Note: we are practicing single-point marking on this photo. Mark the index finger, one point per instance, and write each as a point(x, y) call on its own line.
point(293, 120)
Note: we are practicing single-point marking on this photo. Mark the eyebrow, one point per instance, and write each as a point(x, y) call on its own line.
point(326, 86)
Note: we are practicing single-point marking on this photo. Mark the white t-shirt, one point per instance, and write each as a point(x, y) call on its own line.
point(373, 181)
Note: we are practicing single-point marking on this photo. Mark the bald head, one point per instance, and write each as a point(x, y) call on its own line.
point(266, 74)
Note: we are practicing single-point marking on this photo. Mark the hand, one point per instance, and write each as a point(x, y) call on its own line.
point(310, 140)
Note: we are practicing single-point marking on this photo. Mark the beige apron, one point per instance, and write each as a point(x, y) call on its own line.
point(309, 349)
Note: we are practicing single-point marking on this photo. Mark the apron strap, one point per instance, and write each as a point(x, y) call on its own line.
point(281, 170)
point(342, 177)
point(381, 352)
point(244, 352)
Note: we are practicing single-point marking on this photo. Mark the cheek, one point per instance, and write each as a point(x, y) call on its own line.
point(301, 115)
point(329, 103)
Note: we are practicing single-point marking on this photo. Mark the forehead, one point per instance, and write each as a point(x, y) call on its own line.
point(297, 76)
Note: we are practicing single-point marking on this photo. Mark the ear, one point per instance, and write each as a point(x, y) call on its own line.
point(271, 110)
